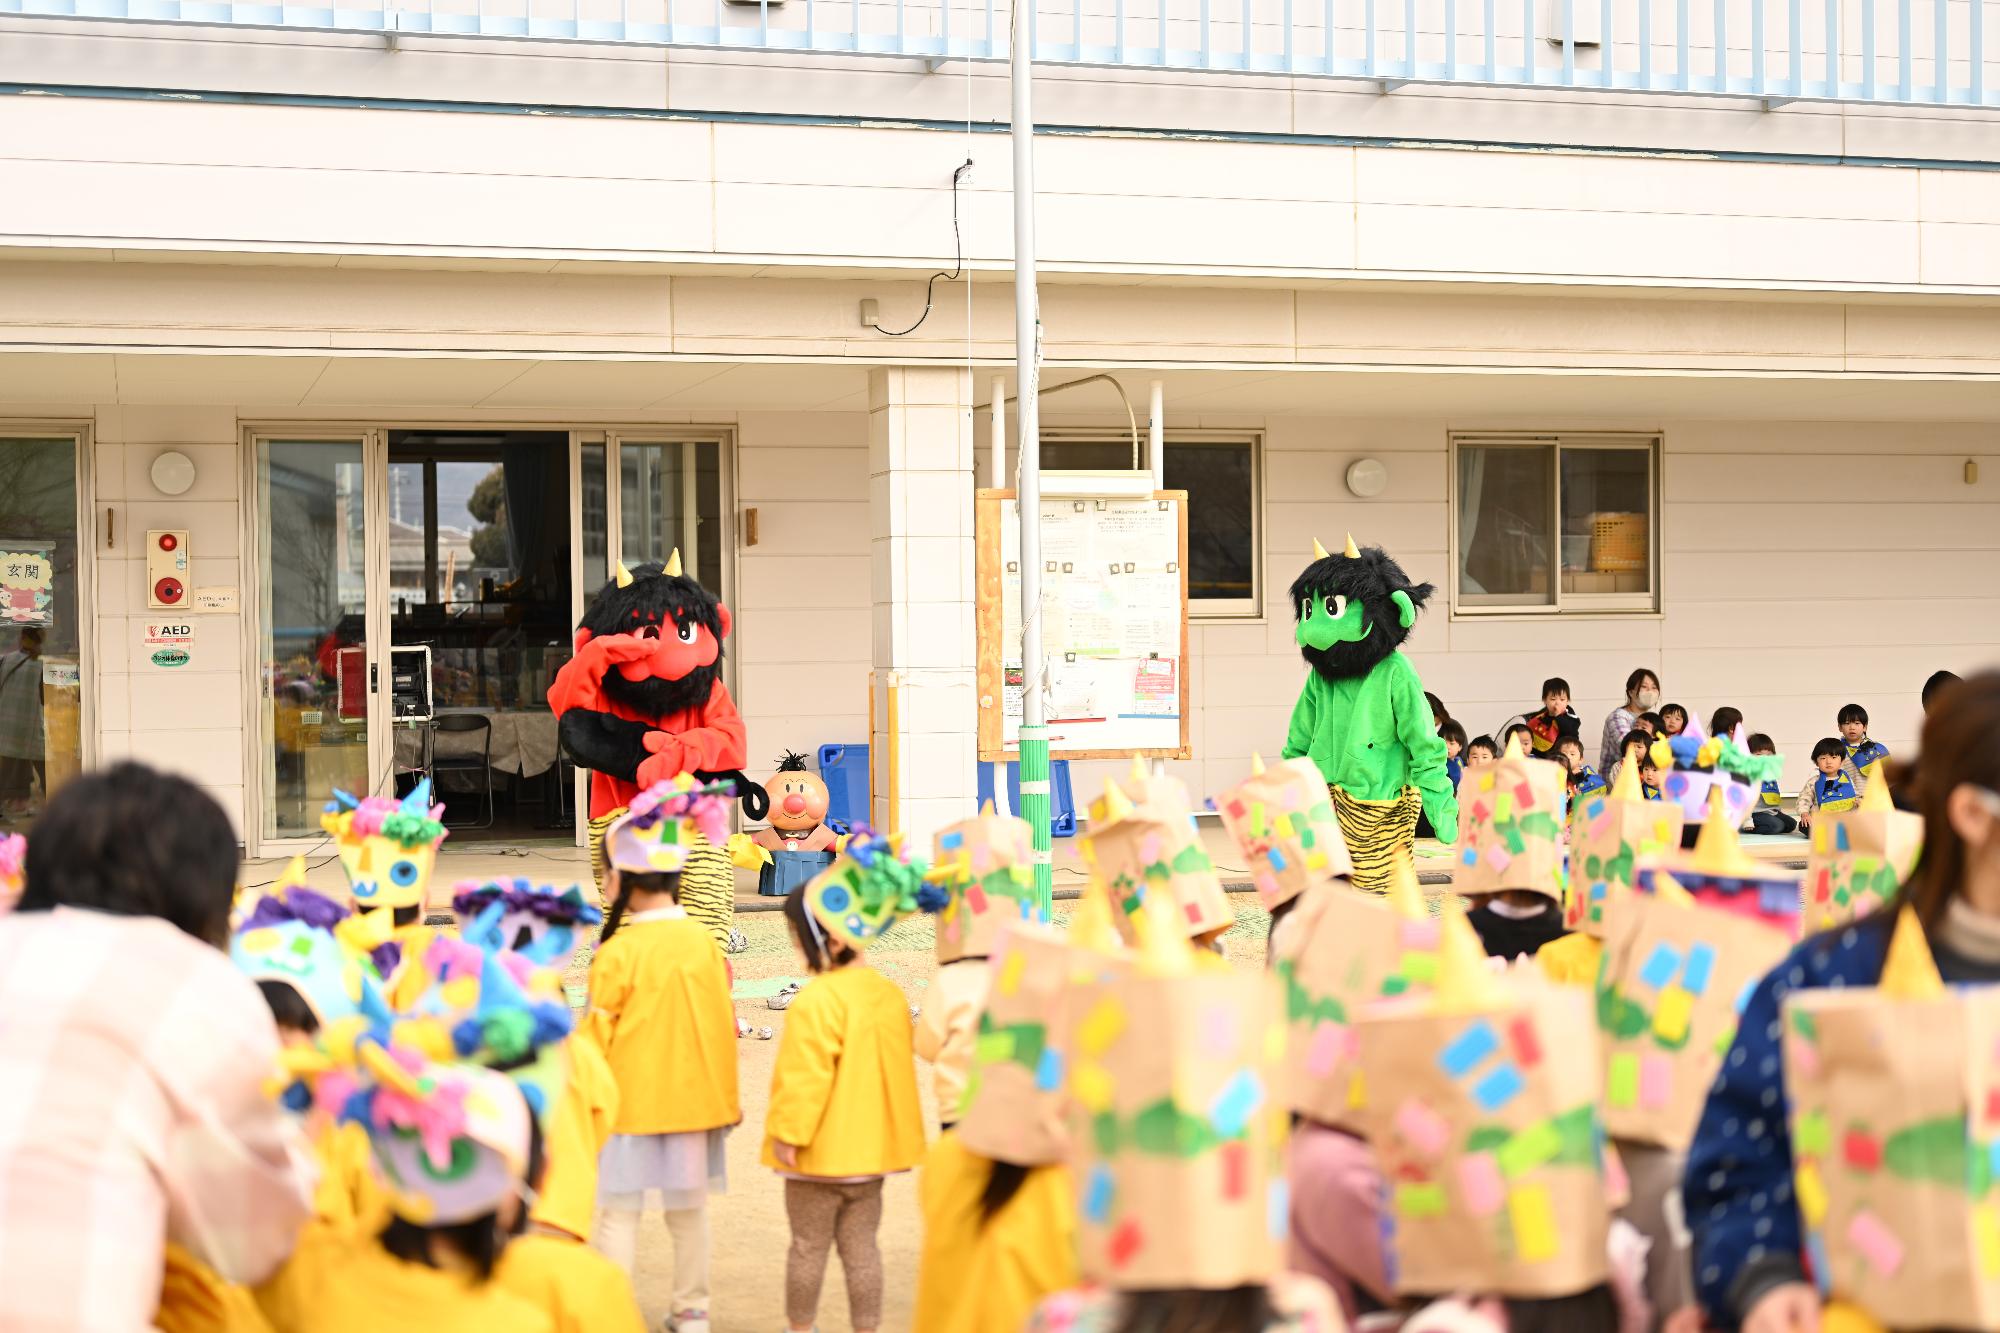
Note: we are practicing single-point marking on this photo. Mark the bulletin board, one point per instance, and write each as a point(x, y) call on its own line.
point(1114, 625)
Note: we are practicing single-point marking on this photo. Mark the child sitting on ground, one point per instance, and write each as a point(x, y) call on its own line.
point(1583, 779)
point(1556, 721)
point(1673, 720)
point(1724, 722)
point(1833, 790)
point(1632, 751)
point(1517, 731)
point(1768, 814)
point(1652, 724)
point(1453, 736)
point(1481, 751)
point(1649, 777)
point(1864, 757)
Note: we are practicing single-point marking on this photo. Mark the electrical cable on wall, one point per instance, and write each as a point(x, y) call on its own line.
point(958, 260)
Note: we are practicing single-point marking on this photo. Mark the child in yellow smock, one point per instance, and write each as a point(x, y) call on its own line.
point(843, 1113)
point(660, 1010)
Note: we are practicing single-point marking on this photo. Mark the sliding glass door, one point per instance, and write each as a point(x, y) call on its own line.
point(42, 625)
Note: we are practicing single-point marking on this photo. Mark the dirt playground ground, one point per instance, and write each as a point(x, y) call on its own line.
point(747, 1226)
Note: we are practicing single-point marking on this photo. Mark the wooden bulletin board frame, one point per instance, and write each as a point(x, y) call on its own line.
point(989, 507)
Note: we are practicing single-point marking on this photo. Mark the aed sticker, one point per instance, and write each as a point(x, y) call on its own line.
point(167, 644)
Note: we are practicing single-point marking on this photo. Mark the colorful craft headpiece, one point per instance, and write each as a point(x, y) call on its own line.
point(387, 847)
point(1510, 826)
point(1283, 820)
point(538, 921)
point(13, 868)
point(1613, 835)
point(867, 888)
point(1013, 1108)
point(1860, 858)
point(1137, 852)
point(305, 940)
point(1720, 873)
point(1695, 766)
point(666, 822)
point(986, 865)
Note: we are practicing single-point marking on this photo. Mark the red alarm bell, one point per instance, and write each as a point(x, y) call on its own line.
point(168, 592)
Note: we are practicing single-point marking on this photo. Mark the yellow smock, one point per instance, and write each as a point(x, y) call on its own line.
point(844, 1088)
point(337, 1283)
point(349, 1196)
point(980, 1276)
point(195, 1299)
point(580, 1289)
point(578, 1130)
point(661, 1013)
point(1571, 960)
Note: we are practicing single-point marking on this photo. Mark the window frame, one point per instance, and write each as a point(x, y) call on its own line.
point(1645, 603)
point(1238, 609)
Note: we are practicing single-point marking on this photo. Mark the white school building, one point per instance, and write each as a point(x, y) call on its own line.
point(1652, 335)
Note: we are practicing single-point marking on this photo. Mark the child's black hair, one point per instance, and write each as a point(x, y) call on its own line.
point(1852, 713)
point(1476, 742)
point(1655, 721)
point(1759, 743)
point(1567, 739)
point(1506, 733)
point(1635, 739)
point(629, 883)
point(288, 1008)
point(1439, 713)
point(1003, 1182)
point(1555, 685)
point(1724, 721)
point(1675, 708)
point(1829, 747)
point(130, 841)
point(479, 1241)
point(1453, 730)
point(1193, 1310)
point(822, 951)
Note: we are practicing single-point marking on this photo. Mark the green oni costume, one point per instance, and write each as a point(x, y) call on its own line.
point(1362, 717)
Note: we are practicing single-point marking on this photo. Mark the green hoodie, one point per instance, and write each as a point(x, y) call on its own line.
point(1372, 736)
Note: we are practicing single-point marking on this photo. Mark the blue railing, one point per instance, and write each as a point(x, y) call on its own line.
point(1908, 52)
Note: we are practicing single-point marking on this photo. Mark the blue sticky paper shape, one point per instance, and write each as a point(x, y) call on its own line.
point(1840, 843)
point(1822, 1270)
point(1278, 1209)
point(1470, 856)
point(1236, 1103)
point(1700, 964)
point(1276, 856)
point(951, 842)
point(1993, 1154)
point(1097, 1195)
point(1498, 1088)
point(1468, 1049)
point(1049, 1070)
point(1743, 996)
point(1661, 964)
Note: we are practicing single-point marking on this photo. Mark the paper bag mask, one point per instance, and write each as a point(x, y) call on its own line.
point(1611, 833)
point(1178, 1125)
point(1510, 826)
point(1674, 978)
point(1342, 950)
point(986, 864)
point(1283, 820)
point(1013, 1106)
point(1483, 1111)
point(1859, 859)
point(1895, 1104)
point(1144, 851)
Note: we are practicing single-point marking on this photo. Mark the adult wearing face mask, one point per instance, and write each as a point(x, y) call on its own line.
point(1642, 695)
point(1749, 1265)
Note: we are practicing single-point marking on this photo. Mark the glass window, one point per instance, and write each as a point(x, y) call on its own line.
point(1220, 477)
point(41, 630)
point(1552, 523)
point(669, 498)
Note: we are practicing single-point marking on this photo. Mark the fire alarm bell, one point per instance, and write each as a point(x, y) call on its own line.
point(167, 569)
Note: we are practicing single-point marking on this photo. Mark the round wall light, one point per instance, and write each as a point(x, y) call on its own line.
point(1367, 477)
point(173, 473)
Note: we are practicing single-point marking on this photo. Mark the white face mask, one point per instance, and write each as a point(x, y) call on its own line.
point(1648, 700)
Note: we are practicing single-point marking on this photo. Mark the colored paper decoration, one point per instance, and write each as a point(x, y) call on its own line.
point(1510, 817)
point(1673, 978)
point(1860, 858)
point(1719, 873)
point(387, 847)
point(1700, 769)
point(866, 890)
point(1895, 1106)
point(1612, 836)
point(1155, 849)
point(1013, 1105)
point(986, 864)
point(1282, 818)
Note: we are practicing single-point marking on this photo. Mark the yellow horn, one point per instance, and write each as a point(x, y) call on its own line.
point(1319, 552)
point(1466, 982)
point(673, 569)
point(1875, 798)
point(1352, 552)
point(1910, 971)
point(1406, 896)
point(1117, 805)
point(1256, 764)
point(624, 575)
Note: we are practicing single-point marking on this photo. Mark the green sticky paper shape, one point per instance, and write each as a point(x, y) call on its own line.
point(1425, 1200)
point(1534, 1146)
point(1418, 966)
point(1621, 1080)
point(994, 1046)
point(1813, 1135)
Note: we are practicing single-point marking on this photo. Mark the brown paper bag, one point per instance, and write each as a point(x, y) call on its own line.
point(1144, 850)
point(1895, 1106)
point(1859, 859)
point(1611, 834)
point(1283, 820)
point(1487, 1129)
point(1674, 977)
point(1179, 1127)
point(1510, 823)
point(1013, 1109)
point(986, 863)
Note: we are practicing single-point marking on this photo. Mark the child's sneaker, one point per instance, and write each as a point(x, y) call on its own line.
point(783, 999)
point(738, 942)
point(688, 1321)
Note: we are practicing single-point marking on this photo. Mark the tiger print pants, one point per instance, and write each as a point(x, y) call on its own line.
point(1374, 829)
point(708, 881)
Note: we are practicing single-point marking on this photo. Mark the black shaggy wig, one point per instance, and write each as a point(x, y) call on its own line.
point(1369, 578)
point(656, 598)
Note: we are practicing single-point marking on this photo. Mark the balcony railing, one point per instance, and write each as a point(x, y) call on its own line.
point(1902, 52)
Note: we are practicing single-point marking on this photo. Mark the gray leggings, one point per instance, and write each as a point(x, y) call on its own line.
point(824, 1214)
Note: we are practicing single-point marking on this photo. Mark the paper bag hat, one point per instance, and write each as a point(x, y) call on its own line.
point(1700, 769)
point(387, 847)
point(1283, 820)
point(1142, 851)
point(1178, 1125)
point(1719, 873)
point(1674, 979)
point(1611, 834)
point(1895, 1105)
point(1013, 1110)
point(1860, 858)
point(1481, 1101)
point(986, 864)
point(1510, 826)
point(867, 890)
point(1344, 950)
point(666, 823)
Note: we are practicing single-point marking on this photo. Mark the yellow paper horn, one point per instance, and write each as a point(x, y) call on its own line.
point(1513, 745)
point(1910, 972)
point(987, 808)
point(1875, 799)
point(1466, 982)
point(623, 576)
point(1668, 890)
point(1352, 552)
point(673, 569)
point(1117, 805)
point(1717, 850)
point(1164, 949)
point(1406, 896)
point(1093, 926)
point(1319, 552)
point(1625, 787)
point(1256, 763)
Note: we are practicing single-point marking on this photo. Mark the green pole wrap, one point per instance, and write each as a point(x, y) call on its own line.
point(1035, 809)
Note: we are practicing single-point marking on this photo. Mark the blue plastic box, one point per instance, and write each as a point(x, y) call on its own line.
point(844, 769)
point(1062, 801)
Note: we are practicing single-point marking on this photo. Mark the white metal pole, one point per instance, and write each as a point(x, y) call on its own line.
point(996, 458)
point(1027, 357)
point(1156, 435)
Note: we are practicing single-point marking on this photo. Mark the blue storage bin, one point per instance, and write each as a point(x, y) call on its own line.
point(1062, 800)
point(790, 870)
point(844, 770)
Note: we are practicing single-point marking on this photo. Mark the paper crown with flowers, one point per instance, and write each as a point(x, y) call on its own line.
point(1696, 765)
point(868, 888)
point(309, 942)
point(13, 868)
point(387, 847)
point(666, 822)
point(538, 921)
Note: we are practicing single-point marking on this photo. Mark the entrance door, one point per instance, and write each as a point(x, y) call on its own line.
point(44, 620)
